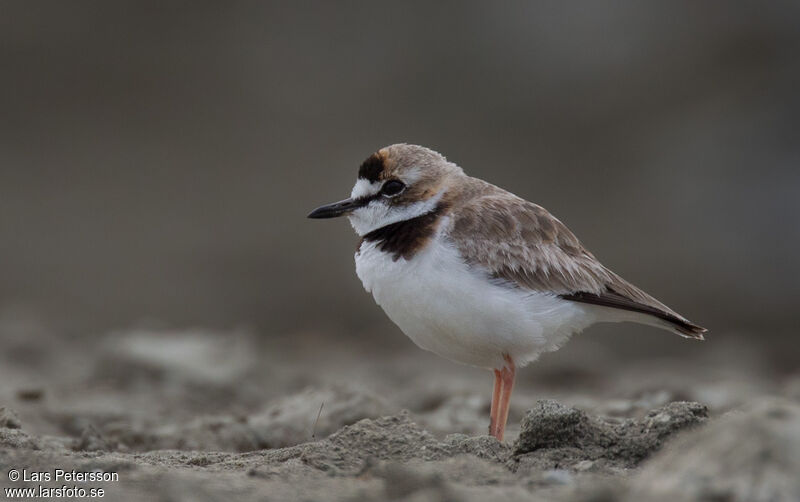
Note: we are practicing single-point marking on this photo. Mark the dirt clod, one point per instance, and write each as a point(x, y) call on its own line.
point(9, 419)
point(555, 436)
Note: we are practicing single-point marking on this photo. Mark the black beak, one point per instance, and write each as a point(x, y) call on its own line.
point(337, 208)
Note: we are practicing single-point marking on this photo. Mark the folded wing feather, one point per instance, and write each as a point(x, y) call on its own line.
point(522, 243)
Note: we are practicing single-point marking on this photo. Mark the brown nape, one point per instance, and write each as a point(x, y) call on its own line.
point(405, 238)
point(371, 168)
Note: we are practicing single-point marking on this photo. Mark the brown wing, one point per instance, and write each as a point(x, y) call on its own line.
point(520, 242)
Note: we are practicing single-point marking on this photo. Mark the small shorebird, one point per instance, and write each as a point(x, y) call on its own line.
point(476, 274)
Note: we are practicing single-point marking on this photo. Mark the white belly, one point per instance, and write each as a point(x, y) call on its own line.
point(459, 314)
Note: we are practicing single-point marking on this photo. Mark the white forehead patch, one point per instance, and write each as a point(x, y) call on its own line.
point(363, 188)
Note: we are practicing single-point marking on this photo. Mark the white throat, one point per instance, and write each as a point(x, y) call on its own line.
point(378, 214)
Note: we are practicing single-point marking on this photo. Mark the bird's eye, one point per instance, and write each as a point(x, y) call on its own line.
point(392, 188)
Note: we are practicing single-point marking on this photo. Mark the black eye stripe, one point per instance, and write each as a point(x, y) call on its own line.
point(368, 198)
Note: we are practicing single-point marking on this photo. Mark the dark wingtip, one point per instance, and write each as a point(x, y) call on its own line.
point(611, 299)
point(690, 330)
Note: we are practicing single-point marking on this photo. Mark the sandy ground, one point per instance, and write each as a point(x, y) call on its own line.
point(196, 415)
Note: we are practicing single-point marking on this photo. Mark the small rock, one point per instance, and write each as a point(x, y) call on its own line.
point(92, 440)
point(551, 425)
point(554, 435)
point(9, 419)
point(30, 394)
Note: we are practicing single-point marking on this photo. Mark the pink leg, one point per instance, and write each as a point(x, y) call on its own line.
point(495, 400)
point(506, 386)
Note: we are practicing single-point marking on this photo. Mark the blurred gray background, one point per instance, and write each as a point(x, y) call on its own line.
point(158, 159)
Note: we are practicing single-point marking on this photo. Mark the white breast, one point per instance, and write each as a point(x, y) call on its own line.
point(459, 313)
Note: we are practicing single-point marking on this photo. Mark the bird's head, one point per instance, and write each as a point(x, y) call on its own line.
point(396, 183)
